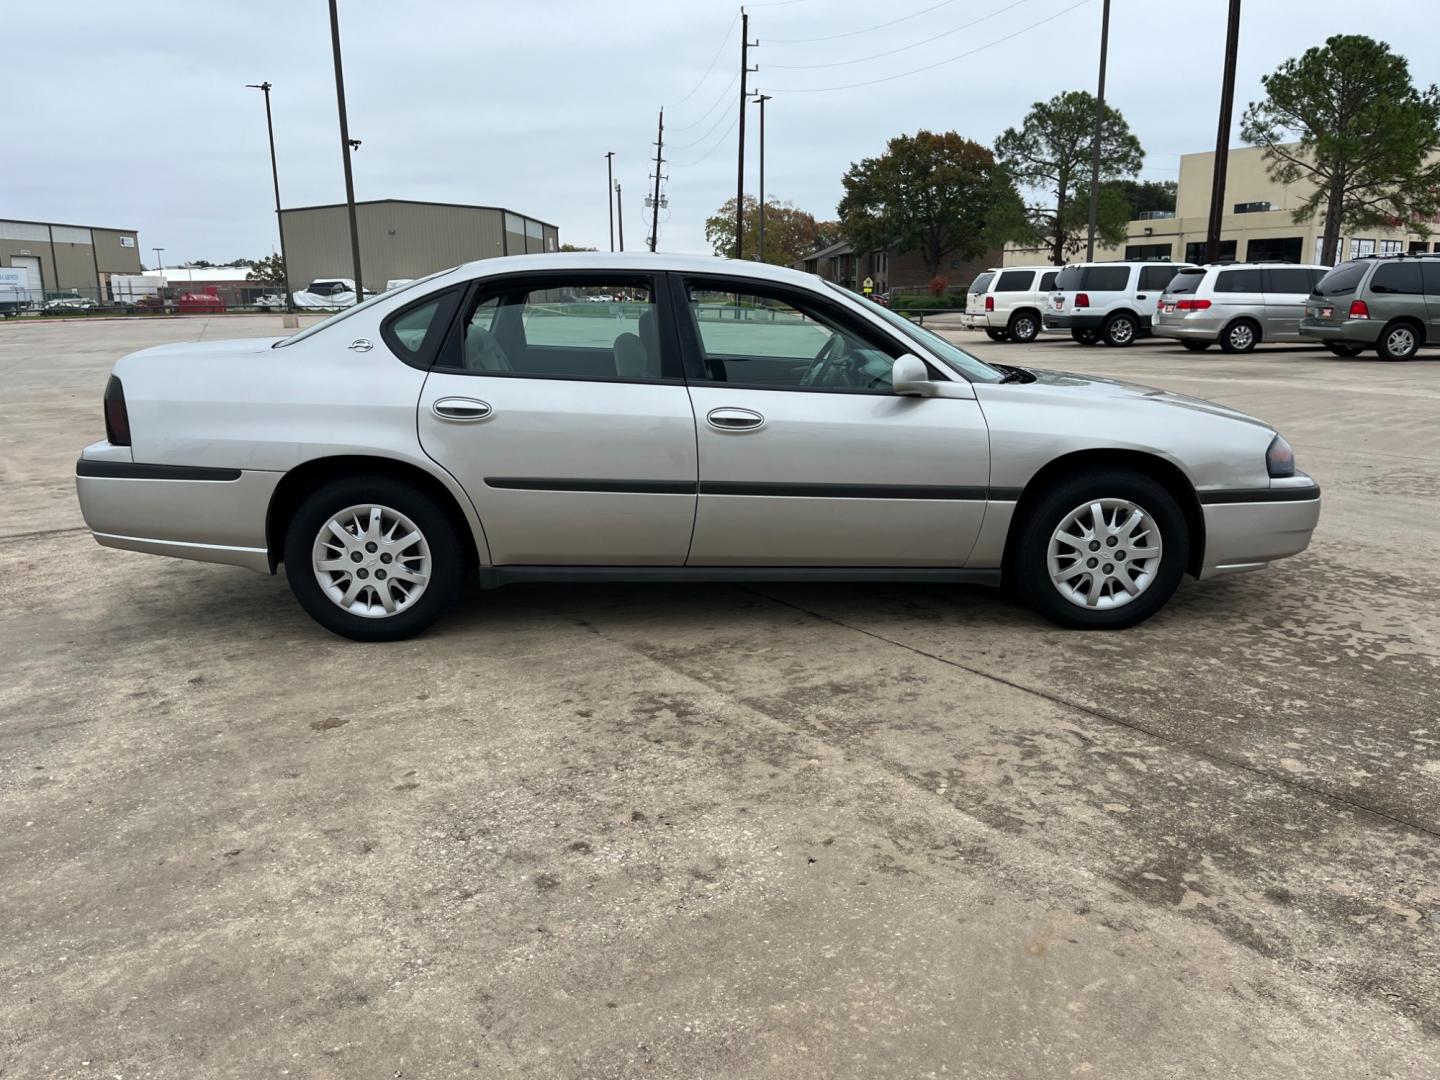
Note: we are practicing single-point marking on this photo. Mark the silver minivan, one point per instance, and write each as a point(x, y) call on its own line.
point(1236, 305)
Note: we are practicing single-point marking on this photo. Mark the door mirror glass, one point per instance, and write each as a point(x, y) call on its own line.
point(910, 376)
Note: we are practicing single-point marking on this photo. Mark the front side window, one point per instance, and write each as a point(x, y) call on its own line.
point(970, 367)
point(1015, 281)
point(578, 329)
point(781, 342)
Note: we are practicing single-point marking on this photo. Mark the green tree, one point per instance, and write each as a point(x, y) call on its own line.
point(1367, 138)
point(1143, 196)
point(790, 233)
point(575, 247)
point(1051, 153)
point(269, 270)
point(940, 195)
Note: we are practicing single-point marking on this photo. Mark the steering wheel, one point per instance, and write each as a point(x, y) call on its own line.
point(834, 352)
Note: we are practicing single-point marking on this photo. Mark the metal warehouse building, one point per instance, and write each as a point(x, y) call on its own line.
point(403, 238)
point(66, 258)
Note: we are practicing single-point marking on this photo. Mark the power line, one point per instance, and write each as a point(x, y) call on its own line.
point(715, 146)
point(718, 121)
point(905, 48)
point(938, 63)
point(723, 95)
point(723, 42)
point(868, 29)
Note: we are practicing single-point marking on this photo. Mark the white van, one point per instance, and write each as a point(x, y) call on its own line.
point(1010, 306)
point(1113, 302)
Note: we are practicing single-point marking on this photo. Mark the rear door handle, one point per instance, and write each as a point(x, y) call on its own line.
point(732, 419)
point(461, 409)
point(1141, 296)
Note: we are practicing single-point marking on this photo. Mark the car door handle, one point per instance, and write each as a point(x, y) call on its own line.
point(1141, 296)
point(462, 409)
point(732, 419)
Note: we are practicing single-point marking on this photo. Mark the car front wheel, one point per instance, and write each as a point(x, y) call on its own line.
point(373, 559)
point(1101, 552)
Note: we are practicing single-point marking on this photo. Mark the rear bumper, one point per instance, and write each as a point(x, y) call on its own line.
point(974, 322)
point(212, 515)
point(1187, 327)
point(1248, 530)
point(1358, 331)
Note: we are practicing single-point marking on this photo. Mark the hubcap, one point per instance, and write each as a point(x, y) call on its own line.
point(1400, 341)
point(1242, 336)
point(1121, 330)
point(1104, 554)
point(1024, 328)
point(371, 561)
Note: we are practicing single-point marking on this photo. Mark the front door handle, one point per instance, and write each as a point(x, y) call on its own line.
point(461, 408)
point(732, 419)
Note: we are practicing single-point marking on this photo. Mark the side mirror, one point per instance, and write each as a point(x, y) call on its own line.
point(910, 376)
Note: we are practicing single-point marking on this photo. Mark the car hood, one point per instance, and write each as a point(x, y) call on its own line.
point(1091, 388)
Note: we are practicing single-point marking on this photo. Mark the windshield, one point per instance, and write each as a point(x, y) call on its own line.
point(340, 316)
point(973, 369)
point(1342, 279)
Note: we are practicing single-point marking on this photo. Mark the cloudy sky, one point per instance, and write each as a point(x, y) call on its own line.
point(137, 116)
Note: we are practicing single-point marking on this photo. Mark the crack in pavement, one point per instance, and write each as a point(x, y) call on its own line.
point(6, 538)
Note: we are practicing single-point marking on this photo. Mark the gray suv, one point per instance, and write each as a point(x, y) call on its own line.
point(1388, 303)
point(1235, 305)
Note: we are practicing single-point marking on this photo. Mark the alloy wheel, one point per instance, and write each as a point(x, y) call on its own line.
point(1242, 337)
point(1400, 341)
point(1120, 331)
point(1104, 554)
point(371, 561)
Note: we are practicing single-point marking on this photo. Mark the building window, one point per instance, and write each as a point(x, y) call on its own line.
point(1417, 247)
point(1195, 252)
point(1289, 249)
point(1391, 247)
point(1359, 247)
point(1251, 207)
point(1148, 252)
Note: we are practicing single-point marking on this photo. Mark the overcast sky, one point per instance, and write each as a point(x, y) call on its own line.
point(136, 115)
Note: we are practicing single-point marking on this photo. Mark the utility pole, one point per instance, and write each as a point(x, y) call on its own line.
point(655, 203)
point(1222, 135)
point(345, 145)
point(609, 185)
point(264, 87)
point(760, 100)
point(745, 46)
point(160, 263)
point(1099, 131)
point(620, 214)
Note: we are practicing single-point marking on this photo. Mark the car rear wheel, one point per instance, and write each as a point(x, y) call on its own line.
point(1024, 327)
point(1398, 341)
point(1241, 336)
point(1195, 346)
point(1086, 337)
point(1101, 551)
point(372, 559)
point(1120, 330)
point(1344, 348)
point(995, 335)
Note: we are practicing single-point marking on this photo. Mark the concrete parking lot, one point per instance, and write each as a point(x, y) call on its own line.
point(719, 831)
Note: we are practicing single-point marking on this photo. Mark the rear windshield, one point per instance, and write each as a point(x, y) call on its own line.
point(1186, 281)
point(1343, 279)
point(981, 283)
point(1069, 278)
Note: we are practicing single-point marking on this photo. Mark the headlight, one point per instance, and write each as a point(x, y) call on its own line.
point(1280, 458)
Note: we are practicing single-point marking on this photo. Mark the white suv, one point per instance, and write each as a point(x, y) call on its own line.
point(1008, 306)
point(1111, 302)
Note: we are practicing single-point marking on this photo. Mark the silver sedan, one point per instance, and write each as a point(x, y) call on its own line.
point(653, 418)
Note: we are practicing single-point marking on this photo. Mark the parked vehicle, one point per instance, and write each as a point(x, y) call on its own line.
point(1235, 305)
point(68, 303)
point(729, 421)
point(1010, 307)
point(328, 293)
point(1389, 303)
point(1110, 302)
point(973, 317)
point(14, 290)
point(270, 302)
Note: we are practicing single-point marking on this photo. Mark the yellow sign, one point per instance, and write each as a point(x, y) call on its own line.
point(869, 286)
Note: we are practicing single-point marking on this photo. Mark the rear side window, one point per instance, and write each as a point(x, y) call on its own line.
point(1239, 281)
point(981, 283)
point(1016, 281)
point(1156, 277)
point(1343, 279)
point(1287, 279)
point(1106, 278)
point(1070, 277)
point(1186, 281)
point(1047, 280)
point(1397, 277)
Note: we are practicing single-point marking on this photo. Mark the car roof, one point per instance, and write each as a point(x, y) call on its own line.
point(637, 261)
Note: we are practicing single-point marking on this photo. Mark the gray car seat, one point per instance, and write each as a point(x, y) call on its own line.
point(483, 351)
point(637, 356)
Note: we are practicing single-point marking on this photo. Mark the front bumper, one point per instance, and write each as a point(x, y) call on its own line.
point(1058, 321)
point(1358, 331)
point(1249, 529)
point(212, 515)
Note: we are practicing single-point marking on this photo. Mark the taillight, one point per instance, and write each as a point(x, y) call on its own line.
point(989, 303)
point(1358, 310)
point(1082, 299)
point(1192, 305)
point(117, 420)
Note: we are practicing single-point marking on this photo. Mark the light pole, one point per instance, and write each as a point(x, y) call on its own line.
point(264, 88)
point(609, 191)
point(159, 262)
point(760, 100)
point(1222, 136)
point(1099, 129)
point(345, 145)
point(620, 214)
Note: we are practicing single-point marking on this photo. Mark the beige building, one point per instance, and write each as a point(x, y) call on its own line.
point(68, 258)
point(1258, 224)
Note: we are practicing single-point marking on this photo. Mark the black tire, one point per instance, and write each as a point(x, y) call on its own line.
point(1121, 330)
point(1030, 561)
point(1344, 348)
point(1400, 340)
point(1086, 337)
point(1195, 346)
point(447, 558)
point(995, 335)
point(1241, 336)
point(1024, 327)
